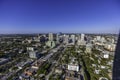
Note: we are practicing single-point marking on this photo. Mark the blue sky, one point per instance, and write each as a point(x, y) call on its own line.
point(76, 16)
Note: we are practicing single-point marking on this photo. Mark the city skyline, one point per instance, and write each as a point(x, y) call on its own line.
point(23, 16)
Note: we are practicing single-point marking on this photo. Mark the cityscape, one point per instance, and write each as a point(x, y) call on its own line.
point(57, 56)
point(59, 39)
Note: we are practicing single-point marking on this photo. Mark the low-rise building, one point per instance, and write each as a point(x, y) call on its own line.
point(30, 48)
point(33, 54)
point(97, 71)
point(102, 67)
point(73, 65)
point(58, 70)
point(3, 61)
point(71, 78)
point(110, 47)
point(105, 54)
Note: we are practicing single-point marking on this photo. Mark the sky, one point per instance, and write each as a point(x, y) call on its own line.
point(69, 16)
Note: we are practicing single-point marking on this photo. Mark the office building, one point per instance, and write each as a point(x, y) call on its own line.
point(73, 39)
point(50, 36)
point(98, 38)
point(50, 44)
point(57, 38)
point(103, 39)
point(66, 39)
point(116, 63)
point(82, 37)
point(81, 41)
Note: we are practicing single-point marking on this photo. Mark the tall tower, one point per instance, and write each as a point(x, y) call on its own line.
point(82, 37)
point(66, 39)
point(73, 39)
point(50, 36)
point(57, 38)
point(78, 37)
point(50, 43)
point(116, 63)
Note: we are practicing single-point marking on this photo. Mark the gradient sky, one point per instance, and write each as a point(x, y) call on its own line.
point(79, 16)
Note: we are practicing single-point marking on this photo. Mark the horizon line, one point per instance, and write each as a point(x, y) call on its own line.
point(55, 33)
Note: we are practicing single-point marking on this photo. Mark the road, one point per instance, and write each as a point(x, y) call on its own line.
point(54, 64)
point(45, 58)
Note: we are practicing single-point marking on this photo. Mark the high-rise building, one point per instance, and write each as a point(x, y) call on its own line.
point(88, 48)
point(78, 37)
point(116, 63)
point(50, 44)
point(73, 39)
point(50, 36)
point(102, 39)
point(57, 38)
point(82, 40)
point(82, 37)
point(66, 39)
point(98, 38)
point(78, 40)
point(38, 36)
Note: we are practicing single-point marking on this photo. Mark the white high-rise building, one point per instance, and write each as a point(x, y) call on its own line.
point(98, 38)
point(81, 41)
point(66, 39)
point(73, 39)
point(50, 36)
point(50, 43)
point(82, 37)
point(103, 39)
point(78, 40)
